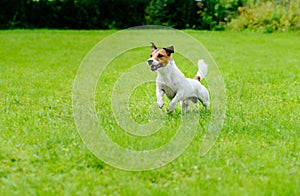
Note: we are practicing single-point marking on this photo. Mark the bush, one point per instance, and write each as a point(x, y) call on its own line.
point(210, 15)
point(268, 16)
point(215, 14)
point(107, 14)
point(72, 14)
point(173, 13)
point(12, 13)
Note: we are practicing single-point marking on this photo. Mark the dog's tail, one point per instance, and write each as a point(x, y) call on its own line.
point(202, 70)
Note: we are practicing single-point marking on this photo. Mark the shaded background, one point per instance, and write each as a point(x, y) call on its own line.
point(268, 15)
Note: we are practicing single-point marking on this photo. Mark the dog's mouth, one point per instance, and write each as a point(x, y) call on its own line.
point(156, 67)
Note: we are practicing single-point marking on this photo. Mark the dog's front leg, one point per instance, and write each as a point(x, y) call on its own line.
point(159, 96)
point(174, 101)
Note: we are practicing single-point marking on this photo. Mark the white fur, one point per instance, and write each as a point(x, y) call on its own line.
point(202, 68)
point(172, 82)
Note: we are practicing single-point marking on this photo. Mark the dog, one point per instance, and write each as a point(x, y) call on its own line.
point(171, 81)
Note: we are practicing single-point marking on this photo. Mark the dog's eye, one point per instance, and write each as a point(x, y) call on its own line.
point(160, 55)
point(150, 55)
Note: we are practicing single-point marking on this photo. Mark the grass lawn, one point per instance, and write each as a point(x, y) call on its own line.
point(257, 152)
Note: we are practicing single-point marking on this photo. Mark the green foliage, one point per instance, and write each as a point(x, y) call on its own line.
point(216, 13)
point(268, 16)
point(265, 15)
point(107, 14)
point(174, 13)
point(12, 13)
point(72, 14)
point(211, 15)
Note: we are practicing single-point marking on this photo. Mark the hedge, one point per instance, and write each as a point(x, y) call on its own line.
point(119, 14)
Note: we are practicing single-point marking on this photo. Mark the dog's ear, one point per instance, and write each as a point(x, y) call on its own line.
point(169, 50)
point(153, 47)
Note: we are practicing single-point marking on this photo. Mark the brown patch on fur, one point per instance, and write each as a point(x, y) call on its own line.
point(161, 56)
point(197, 78)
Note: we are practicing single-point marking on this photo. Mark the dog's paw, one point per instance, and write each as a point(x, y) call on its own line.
point(206, 105)
point(160, 104)
point(170, 112)
point(171, 109)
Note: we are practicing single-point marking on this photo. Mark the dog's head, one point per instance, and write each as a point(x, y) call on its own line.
point(159, 57)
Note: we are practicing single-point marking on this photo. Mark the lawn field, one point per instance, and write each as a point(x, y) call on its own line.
point(42, 153)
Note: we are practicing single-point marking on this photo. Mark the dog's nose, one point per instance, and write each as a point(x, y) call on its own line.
point(150, 62)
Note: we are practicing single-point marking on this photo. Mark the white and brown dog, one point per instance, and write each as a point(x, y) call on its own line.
point(172, 82)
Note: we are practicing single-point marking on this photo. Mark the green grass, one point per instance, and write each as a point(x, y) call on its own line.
point(257, 152)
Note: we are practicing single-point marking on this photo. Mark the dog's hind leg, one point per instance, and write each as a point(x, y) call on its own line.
point(206, 104)
point(185, 104)
point(203, 97)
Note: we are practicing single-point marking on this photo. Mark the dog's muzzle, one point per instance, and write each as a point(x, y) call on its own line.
point(154, 67)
